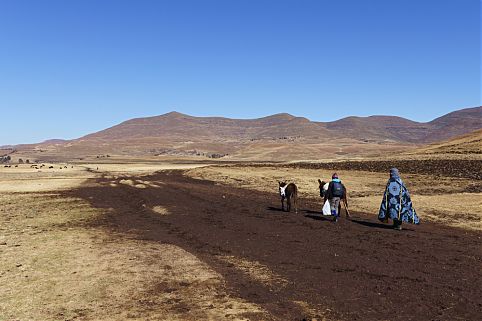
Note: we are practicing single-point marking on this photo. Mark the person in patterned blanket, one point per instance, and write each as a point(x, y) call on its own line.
point(396, 203)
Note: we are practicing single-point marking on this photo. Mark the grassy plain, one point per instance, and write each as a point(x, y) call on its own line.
point(55, 266)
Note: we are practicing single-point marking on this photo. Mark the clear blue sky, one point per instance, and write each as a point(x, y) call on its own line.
point(68, 68)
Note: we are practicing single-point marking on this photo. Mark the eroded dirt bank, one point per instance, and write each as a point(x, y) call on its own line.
point(301, 265)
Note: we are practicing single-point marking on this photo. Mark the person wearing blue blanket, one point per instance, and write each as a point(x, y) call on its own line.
point(396, 203)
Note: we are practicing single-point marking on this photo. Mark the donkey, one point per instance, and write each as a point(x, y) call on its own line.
point(288, 192)
point(323, 187)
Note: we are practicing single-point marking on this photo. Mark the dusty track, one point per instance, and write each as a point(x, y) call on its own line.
point(352, 270)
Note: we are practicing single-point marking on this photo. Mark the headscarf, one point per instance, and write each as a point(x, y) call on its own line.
point(394, 173)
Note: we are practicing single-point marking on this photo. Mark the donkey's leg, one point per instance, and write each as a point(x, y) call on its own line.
point(282, 204)
point(295, 199)
point(288, 203)
point(346, 207)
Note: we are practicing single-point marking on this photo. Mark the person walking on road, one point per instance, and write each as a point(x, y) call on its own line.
point(335, 193)
point(396, 203)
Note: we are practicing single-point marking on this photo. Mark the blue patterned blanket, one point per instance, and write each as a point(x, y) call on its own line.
point(396, 203)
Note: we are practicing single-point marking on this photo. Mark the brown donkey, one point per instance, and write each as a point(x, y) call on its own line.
point(323, 186)
point(288, 192)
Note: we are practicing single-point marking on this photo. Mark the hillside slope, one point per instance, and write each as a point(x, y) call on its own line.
point(470, 143)
point(276, 137)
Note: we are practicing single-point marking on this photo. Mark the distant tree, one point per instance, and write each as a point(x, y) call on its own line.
point(27, 161)
point(8, 158)
point(20, 161)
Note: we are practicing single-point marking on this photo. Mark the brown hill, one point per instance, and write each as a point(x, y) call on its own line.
point(404, 130)
point(455, 124)
point(380, 128)
point(179, 126)
point(470, 143)
point(280, 136)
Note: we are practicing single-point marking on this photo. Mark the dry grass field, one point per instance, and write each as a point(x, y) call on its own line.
point(59, 263)
point(55, 266)
point(446, 200)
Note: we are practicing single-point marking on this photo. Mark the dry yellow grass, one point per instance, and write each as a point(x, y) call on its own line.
point(441, 200)
point(27, 179)
point(55, 267)
point(256, 271)
point(312, 150)
point(137, 168)
point(160, 210)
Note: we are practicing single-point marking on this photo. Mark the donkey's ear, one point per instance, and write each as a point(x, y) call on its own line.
point(319, 181)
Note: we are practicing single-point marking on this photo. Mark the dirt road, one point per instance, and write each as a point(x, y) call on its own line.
point(301, 265)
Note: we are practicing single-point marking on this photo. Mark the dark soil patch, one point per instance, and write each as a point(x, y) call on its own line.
point(470, 169)
point(350, 270)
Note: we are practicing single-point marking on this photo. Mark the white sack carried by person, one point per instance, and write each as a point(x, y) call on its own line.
point(327, 208)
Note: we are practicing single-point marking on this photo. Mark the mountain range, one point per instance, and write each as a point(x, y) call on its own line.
point(263, 138)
